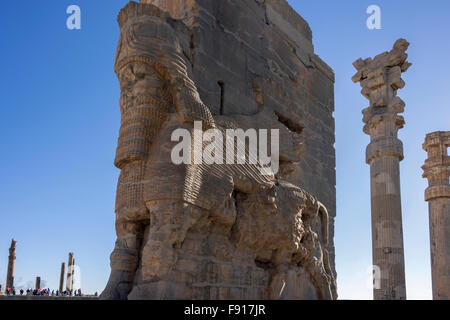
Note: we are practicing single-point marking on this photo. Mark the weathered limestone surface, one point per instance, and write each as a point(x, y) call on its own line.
point(11, 265)
point(437, 171)
point(380, 78)
point(202, 231)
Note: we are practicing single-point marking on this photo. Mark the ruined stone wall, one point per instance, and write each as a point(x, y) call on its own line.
point(251, 54)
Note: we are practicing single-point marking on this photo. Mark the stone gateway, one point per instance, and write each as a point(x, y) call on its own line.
point(220, 231)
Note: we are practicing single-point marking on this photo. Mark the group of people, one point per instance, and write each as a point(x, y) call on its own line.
point(43, 292)
point(10, 291)
point(46, 292)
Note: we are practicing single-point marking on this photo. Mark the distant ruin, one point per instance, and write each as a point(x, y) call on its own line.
point(11, 265)
point(437, 172)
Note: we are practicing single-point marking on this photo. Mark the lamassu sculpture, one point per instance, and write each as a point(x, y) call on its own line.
point(198, 231)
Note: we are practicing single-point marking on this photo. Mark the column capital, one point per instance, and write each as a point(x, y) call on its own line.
point(437, 165)
point(380, 78)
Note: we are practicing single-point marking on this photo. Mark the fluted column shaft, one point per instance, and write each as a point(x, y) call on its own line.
point(387, 230)
point(440, 247)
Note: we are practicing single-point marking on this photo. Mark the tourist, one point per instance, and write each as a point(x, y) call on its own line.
point(21, 292)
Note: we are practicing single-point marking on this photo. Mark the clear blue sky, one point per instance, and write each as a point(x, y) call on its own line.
point(60, 121)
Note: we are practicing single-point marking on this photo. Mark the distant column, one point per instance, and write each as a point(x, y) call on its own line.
point(61, 279)
point(437, 171)
point(380, 78)
point(11, 265)
point(73, 273)
point(69, 281)
point(38, 282)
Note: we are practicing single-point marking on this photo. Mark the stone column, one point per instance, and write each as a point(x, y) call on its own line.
point(73, 273)
point(69, 281)
point(437, 171)
point(38, 282)
point(380, 78)
point(11, 265)
point(61, 279)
